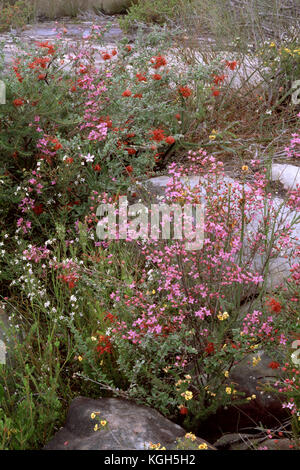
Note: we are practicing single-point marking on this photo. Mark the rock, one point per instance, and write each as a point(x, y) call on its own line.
point(3, 323)
point(266, 409)
point(112, 7)
point(288, 175)
point(72, 7)
point(252, 380)
point(129, 427)
point(228, 441)
point(254, 442)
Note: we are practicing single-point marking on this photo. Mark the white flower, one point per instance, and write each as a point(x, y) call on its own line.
point(89, 158)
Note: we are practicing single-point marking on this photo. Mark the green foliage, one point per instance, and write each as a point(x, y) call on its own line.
point(15, 14)
point(152, 11)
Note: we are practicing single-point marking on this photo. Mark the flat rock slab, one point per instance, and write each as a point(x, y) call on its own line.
point(129, 427)
point(288, 175)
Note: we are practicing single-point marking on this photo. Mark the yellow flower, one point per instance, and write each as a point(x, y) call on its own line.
point(103, 422)
point(187, 395)
point(223, 316)
point(96, 427)
point(228, 390)
point(203, 446)
point(93, 415)
point(226, 373)
point(213, 134)
point(245, 168)
point(93, 338)
point(79, 358)
point(253, 397)
point(272, 44)
point(255, 361)
point(190, 436)
point(153, 292)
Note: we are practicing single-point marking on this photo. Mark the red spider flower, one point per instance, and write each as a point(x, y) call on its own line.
point(110, 317)
point(129, 169)
point(97, 167)
point(128, 47)
point(104, 345)
point(170, 140)
point(185, 91)
point(158, 135)
point(219, 79)
point(274, 365)
point(106, 56)
point(273, 305)
point(215, 92)
point(158, 61)
point(141, 77)
point(50, 47)
point(138, 95)
point(126, 93)
point(38, 209)
point(231, 65)
point(156, 76)
point(114, 52)
point(183, 410)
point(131, 151)
point(18, 102)
point(210, 348)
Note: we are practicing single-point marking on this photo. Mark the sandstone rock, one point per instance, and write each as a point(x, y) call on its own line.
point(129, 427)
point(3, 322)
point(288, 175)
point(254, 442)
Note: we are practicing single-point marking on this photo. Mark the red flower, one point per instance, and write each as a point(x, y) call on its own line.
point(126, 93)
point(128, 47)
point(156, 76)
point(38, 209)
point(131, 151)
point(158, 61)
point(158, 135)
point(274, 365)
point(104, 345)
point(141, 78)
point(274, 306)
point(169, 140)
point(185, 91)
point(106, 56)
point(50, 47)
point(138, 95)
point(69, 160)
point(42, 76)
point(215, 92)
point(129, 169)
point(18, 102)
point(183, 410)
point(219, 79)
point(177, 116)
point(231, 65)
point(97, 167)
point(210, 348)
point(114, 52)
